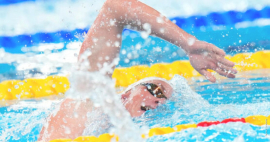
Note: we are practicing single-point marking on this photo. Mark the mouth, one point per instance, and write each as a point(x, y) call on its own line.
point(145, 108)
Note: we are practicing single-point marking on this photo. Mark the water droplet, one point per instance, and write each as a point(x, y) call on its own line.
point(64, 120)
point(18, 96)
point(16, 86)
point(67, 130)
point(191, 41)
point(146, 26)
point(126, 60)
point(162, 30)
point(95, 39)
point(129, 55)
point(159, 20)
point(144, 35)
point(123, 51)
point(116, 44)
point(143, 104)
point(108, 44)
point(107, 58)
point(112, 21)
point(138, 46)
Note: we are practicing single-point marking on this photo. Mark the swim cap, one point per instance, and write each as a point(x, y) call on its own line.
point(145, 80)
point(178, 83)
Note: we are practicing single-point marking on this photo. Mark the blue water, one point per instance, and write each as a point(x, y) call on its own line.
point(23, 122)
point(242, 90)
point(246, 95)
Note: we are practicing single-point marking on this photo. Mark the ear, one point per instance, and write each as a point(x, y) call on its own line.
point(125, 95)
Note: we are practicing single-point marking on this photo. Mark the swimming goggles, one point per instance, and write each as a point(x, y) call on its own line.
point(154, 90)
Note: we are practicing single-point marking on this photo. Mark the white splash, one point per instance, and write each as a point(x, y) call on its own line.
point(52, 16)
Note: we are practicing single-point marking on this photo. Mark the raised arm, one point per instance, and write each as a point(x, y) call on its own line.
point(67, 122)
point(104, 37)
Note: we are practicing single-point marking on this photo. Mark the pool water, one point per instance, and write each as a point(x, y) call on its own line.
point(248, 87)
point(40, 49)
point(245, 96)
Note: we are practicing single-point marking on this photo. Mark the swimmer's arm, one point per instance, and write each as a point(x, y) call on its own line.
point(104, 37)
point(69, 121)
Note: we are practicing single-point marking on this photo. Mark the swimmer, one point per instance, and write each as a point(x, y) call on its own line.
point(138, 98)
point(104, 41)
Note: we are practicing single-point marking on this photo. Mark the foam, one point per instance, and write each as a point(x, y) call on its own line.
point(52, 16)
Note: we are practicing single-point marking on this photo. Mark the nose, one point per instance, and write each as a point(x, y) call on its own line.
point(154, 102)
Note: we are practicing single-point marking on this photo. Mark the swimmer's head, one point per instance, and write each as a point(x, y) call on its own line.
point(146, 94)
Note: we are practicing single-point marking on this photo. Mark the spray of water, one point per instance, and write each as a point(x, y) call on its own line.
point(100, 89)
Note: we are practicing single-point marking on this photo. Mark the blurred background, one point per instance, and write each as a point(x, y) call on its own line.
point(42, 36)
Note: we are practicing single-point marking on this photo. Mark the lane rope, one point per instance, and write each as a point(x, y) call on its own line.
point(34, 88)
point(52, 86)
point(257, 120)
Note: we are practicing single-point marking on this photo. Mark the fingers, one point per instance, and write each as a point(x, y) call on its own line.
point(223, 73)
point(226, 68)
point(222, 69)
point(227, 71)
point(222, 63)
point(225, 61)
point(208, 75)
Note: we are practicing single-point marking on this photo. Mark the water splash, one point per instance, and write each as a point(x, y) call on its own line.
point(15, 122)
point(100, 89)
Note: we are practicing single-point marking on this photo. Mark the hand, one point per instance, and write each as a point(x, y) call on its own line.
point(203, 56)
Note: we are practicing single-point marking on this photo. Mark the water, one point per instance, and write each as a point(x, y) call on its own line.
point(101, 90)
point(35, 48)
point(23, 121)
point(240, 102)
point(219, 105)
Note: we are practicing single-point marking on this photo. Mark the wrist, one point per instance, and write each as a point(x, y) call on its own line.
point(188, 43)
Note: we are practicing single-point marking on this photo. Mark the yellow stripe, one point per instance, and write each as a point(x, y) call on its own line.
point(244, 62)
point(58, 85)
point(33, 88)
point(258, 120)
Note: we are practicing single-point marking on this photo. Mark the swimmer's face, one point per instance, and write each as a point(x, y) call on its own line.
point(140, 99)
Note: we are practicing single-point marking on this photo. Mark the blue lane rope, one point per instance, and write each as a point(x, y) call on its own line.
point(8, 2)
point(228, 18)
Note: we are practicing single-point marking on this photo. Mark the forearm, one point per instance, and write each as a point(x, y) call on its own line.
point(104, 37)
point(68, 122)
point(140, 16)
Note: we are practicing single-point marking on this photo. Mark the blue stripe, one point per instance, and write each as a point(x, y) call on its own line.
point(226, 18)
point(7, 2)
point(13, 44)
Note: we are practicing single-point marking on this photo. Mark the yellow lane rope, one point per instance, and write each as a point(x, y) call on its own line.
point(244, 62)
point(257, 120)
point(58, 85)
